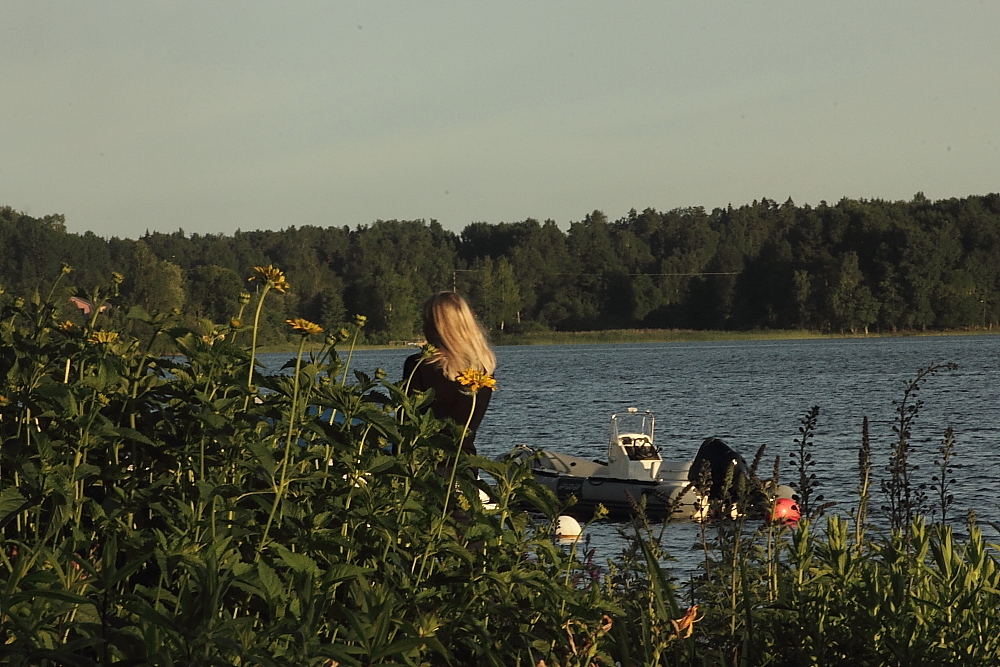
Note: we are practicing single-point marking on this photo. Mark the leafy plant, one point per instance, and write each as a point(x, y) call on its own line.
point(942, 481)
point(162, 510)
point(905, 497)
point(802, 461)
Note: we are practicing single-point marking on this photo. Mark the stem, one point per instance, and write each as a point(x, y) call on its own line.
point(253, 338)
point(454, 466)
point(279, 492)
point(864, 471)
point(350, 353)
point(55, 283)
point(447, 498)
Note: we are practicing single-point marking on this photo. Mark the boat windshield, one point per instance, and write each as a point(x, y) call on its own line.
point(633, 424)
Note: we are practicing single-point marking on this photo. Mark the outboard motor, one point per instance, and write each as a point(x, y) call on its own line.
point(719, 457)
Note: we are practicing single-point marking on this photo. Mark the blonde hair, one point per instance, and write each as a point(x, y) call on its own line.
point(450, 326)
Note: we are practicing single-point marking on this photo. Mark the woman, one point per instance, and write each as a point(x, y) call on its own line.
point(460, 344)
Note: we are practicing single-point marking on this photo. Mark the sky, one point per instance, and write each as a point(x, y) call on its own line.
point(128, 117)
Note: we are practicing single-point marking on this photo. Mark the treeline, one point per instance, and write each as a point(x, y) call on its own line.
point(853, 266)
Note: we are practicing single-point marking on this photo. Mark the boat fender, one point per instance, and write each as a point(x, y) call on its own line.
point(786, 511)
point(567, 527)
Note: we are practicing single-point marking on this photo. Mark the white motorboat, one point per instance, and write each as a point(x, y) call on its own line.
point(635, 470)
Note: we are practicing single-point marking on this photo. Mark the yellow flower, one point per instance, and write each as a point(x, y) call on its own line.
point(272, 275)
point(476, 380)
point(685, 624)
point(116, 278)
point(66, 326)
point(65, 268)
point(103, 337)
point(359, 320)
point(304, 327)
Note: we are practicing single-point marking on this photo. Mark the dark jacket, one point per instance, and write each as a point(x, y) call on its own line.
point(451, 400)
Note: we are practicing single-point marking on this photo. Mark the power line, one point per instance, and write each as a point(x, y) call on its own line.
point(606, 273)
point(455, 272)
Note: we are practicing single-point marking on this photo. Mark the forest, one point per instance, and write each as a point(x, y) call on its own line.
point(856, 266)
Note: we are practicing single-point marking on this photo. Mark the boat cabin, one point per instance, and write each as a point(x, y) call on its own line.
point(631, 453)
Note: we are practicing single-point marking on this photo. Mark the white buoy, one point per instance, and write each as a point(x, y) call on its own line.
point(567, 528)
point(488, 505)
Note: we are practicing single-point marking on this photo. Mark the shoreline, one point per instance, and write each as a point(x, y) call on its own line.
point(625, 336)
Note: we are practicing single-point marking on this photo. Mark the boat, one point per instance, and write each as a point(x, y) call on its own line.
point(635, 473)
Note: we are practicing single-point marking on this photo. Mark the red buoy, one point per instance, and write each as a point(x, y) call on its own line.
point(785, 511)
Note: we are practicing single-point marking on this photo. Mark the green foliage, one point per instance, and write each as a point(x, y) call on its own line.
point(801, 459)
point(190, 510)
point(905, 497)
point(159, 510)
point(850, 267)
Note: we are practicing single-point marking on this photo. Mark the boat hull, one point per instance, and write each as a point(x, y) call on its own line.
point(589, 484)
point(621, 497)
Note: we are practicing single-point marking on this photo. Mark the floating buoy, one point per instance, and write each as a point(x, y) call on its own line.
point(786, 511)
point(567, 528)
point(488, 504)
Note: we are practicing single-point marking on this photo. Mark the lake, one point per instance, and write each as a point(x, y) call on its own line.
point(750, 393)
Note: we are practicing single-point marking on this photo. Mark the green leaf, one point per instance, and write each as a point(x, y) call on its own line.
point(11, 500)
point(298, 562)
point(345, 571)
point(85, 470)
point(399, 647)
point(263, 454)
point(63, 596)
point(269, 580)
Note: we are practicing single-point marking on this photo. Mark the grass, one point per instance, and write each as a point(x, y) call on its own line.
point(624, 336)
point(690, 335)
point(646, 336)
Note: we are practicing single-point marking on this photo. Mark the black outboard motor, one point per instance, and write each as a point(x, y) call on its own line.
point(718, 456)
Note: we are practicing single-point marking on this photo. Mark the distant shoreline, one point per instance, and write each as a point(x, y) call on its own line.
point(624, 336)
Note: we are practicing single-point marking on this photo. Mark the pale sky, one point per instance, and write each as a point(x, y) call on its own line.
point(217, 116)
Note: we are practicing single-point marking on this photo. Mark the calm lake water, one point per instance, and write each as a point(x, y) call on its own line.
point(750, 393)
